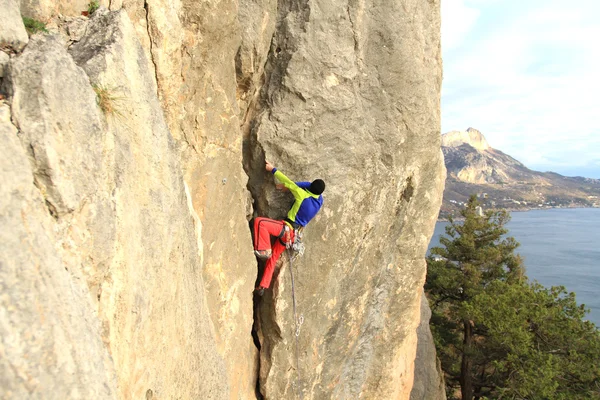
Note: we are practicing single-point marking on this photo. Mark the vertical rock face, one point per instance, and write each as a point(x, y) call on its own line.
point(49, 334)
point(429, 381)
point(193, 47)
point(124, 225)
point(351, 95)
point(139, 159)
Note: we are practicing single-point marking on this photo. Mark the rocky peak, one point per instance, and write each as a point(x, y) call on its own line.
point(503, 182)
point(471, 137)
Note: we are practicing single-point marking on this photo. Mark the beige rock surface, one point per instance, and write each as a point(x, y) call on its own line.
point(121, 213)
point(45, 10)
point(175, 353)
point(49, 332)
point(355, 102)
point(12, 31)
point(148, 205)
point(193, 47)
point(429, 381)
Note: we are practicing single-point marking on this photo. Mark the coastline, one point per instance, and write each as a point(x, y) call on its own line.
point(511, 210)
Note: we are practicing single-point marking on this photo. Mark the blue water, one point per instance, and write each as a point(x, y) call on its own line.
point(559, 247)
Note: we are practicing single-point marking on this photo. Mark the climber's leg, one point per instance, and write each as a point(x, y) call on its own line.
point(278, 248)
point(264, 228)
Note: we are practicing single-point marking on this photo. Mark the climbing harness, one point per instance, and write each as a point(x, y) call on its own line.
point(298, 323)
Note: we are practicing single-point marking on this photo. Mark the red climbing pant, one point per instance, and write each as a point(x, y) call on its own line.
point(264, 229)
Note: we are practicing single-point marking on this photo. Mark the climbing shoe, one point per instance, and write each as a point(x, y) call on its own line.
point(263, 254)
point(259, 290)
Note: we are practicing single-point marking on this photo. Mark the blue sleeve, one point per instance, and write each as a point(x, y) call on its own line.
point(303, 185)
point(274, 170)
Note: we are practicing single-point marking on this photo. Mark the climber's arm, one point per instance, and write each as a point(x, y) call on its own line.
point(296, 190)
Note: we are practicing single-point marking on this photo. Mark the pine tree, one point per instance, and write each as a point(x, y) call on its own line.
point(539, 342)
point(498, 335)
point(475, 253)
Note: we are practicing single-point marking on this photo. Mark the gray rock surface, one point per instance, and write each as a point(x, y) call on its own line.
point(148, 205)
point(121, 214)
point(351, 95)
point(64, 134)
point(12, 30)
point(45, 73)
point(75, 27)
point(429, 382)
point(49, 332)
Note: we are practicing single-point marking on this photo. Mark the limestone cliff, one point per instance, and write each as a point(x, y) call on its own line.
point(344, 98)
point(133, 151)
point(471, 136)
point(469, 158)
point(429, 377)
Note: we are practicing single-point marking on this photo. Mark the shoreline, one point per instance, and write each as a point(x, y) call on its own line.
point(511, 210)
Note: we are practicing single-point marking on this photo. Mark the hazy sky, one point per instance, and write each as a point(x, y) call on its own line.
point(526, 73)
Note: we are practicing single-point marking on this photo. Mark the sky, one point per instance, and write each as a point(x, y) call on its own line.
point(526, 73)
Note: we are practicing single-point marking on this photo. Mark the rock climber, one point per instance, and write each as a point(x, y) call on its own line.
point(308, 201)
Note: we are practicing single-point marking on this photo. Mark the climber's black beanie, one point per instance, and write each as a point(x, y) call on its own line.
point(317, 186)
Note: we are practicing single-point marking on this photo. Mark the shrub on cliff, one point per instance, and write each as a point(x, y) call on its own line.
point(33, 26)
point(497, 334)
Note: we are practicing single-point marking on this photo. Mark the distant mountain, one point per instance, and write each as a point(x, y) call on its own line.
point(501, 181)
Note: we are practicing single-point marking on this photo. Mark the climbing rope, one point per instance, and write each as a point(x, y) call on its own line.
point(298, 323)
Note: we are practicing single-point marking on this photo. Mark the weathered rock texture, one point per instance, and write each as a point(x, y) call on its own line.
point(44, 10)
point(429, 378)
point(115, 191)
point(4, 59)
point(351, 95)
point(49, 334)
point(12, 31)
point(193, 46)
point(140, 209)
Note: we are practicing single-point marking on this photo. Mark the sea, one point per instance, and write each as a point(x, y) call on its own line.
point(559, 247)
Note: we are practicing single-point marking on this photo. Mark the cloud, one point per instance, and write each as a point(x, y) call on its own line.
point(526, 75)
point(458, 22)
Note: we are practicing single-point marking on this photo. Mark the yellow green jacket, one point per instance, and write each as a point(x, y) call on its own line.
point(306, 206)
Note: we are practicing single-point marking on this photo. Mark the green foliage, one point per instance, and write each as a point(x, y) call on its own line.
point(542, 346)
point(34, 26)
point(497, 334)
point(93, 6)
